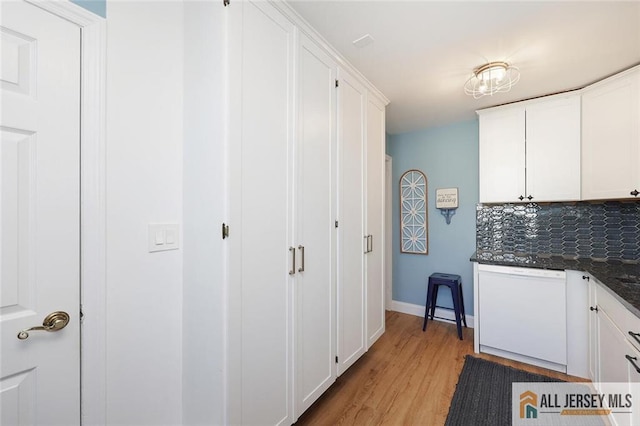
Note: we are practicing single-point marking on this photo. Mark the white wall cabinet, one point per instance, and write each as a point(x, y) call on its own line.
point(303, 302)
point(611, 137)
point(530, 151)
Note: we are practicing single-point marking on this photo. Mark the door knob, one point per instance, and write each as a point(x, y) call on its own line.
point(55, 321)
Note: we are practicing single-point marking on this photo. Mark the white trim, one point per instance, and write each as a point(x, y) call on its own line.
point(418, 310)
point(388, 231)
point(93, 205)
point(306, 28)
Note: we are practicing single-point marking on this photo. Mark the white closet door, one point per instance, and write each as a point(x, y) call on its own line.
point(351, 241)
point(375, 182)
point(261, 226)
point(315, 231)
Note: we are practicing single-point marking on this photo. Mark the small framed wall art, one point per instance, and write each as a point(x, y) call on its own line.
point(413, 213)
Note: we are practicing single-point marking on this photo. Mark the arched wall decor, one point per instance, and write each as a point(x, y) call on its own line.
point(414, 236)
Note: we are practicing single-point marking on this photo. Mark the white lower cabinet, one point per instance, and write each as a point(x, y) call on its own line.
point(615, 357)
point(303, 302)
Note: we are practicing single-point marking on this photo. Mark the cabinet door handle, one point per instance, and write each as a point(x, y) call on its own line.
point(301, 248)
point(584, 277)
point(292, 271)
point(635, 192)
point(632, 360)
point(529, 198)
point(521, 198)
point(591, 308)
point(635, 336)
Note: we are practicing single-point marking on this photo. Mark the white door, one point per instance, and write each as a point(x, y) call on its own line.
point(351, 241)
point(502, 156)
point(375, 181)
point(261, 225)
point(553, 150)
point(39, 262)
point(315, 230)
point(610, 138)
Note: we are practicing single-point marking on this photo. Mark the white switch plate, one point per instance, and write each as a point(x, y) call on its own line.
point(163, 236)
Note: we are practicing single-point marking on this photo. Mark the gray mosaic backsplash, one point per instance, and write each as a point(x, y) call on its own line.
point(608, 230)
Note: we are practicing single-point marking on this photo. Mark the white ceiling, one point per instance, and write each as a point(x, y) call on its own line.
point(424, 51)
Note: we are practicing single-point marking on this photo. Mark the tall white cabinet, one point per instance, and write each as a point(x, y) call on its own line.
point(261, 201)
point(374, 219)
point(351, 236)
point(315, 234)
point(305, 214)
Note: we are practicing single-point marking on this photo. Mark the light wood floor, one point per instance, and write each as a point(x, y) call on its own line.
point(407, 378)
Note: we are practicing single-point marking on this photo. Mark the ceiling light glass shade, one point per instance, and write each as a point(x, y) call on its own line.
point(491, 78)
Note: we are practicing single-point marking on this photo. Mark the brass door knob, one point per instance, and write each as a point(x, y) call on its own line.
point(55, 321)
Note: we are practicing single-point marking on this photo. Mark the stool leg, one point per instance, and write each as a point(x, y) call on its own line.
point(456, 308)
point(464, 316)
point(434, 298)
point(426, 306)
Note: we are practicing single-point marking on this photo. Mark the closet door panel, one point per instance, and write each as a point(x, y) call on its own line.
point(315, 284)
point(375, 220)
point(266, 210)
point(351, 243)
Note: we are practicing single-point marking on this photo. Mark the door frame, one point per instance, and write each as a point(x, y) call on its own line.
point(388, 226)
point(92, 206)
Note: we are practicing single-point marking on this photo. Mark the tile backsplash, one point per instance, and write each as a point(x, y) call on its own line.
point(606, 230)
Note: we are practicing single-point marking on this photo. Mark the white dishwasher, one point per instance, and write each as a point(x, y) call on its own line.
point(522, 314)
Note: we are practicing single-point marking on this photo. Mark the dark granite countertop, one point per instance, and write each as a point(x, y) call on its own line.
point(621, 278)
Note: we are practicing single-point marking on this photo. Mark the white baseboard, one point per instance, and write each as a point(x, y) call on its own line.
point(418, 310)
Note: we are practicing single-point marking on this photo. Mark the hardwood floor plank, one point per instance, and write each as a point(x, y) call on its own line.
point(407, 378)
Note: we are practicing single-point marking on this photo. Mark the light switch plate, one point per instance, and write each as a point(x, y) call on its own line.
point(163, 236)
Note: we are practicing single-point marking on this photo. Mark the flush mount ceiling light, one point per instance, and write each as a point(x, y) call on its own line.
point(491, 78)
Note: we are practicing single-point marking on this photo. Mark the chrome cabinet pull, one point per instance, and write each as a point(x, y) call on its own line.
point(292, 250)
point(301, 248)
point(635, 336)
point(55, 321)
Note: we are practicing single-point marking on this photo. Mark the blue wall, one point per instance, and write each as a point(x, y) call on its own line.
point(99, 7)
point(448, 156)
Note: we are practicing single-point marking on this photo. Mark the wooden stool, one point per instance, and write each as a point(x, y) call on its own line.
point(455, 285)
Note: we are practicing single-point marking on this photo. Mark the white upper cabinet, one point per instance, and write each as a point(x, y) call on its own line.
point(531, 151)
point(553, 150)
point(611, 137)
point(502, 155)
